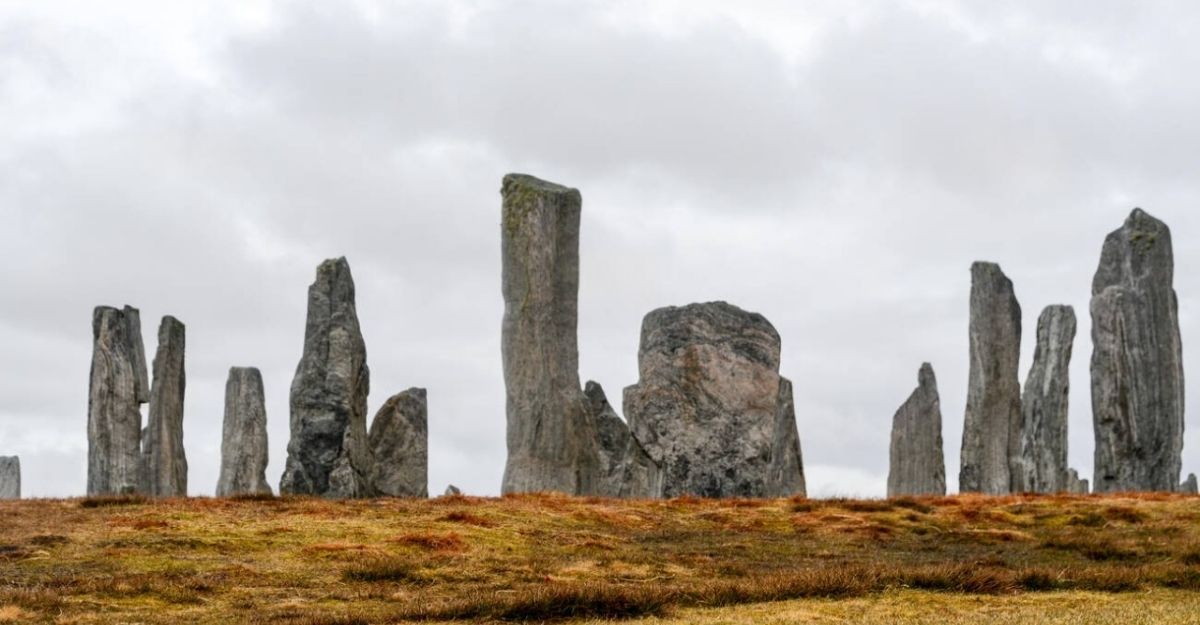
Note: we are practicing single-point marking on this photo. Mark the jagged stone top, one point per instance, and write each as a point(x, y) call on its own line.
point(926, 380)
point(750, 335)
point(514, 183)
point(1139, 249)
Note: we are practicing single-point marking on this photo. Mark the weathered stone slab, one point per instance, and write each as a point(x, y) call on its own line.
point(917, 462)
point(10, 477)
point(550, 444)
point(133, 319)
point(1041, 466)
point(991, 432)
point(785, 476)
point(1190, 486)
point(164, 462)
point(114, 414)
point(329, 454)
point(244, 436)
point(706, 407)
point(1137, 360)
point(400, 445)
point(625, 470)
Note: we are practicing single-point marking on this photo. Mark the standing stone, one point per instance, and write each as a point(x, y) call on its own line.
point(244, 436)
point(1137, 360)
point(164, 463)
point(1189, 486)
point(706, 407)
point(452, 491)
point(1074, 484)
point(991, 432)
point(114, 414)
point(550, 444)
point(400, 445)
point(133, 319)
point(329, 454)
point(625, 470)
point(1041, 466)
point(10, 477)
point(785, 476)
point(917, 462)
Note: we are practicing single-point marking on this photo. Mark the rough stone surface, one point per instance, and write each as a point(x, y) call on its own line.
point(991, 431)
point(400, 445)
point(1190, 486)
point(114, 414)
point(1041, 466)
point(452, 491)
point(1137, 361)
point(164, 463)
point(133, 319)
point(329, 454)
point(785, 477)
point(706, 407)
point(244, 436)
point(550, 441)
point(10, 477)
point(1075, 485)
point(625, 470)
point(917, 463)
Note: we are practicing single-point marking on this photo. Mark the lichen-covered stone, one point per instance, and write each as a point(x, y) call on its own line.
point(1041, 466)
point(551, 446)
point(10, 477)
point(1190, 486)
point(785, 477)
point(164, 463)
point(400, 445)
point(624, 468)
point(917, 463)
point(329, 454)
point(1137, 360)
point(114, 413)
point(244, 436)
point(706, 407)
point(991, 429)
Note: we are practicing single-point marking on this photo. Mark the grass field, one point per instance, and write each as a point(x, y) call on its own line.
point(540, 558)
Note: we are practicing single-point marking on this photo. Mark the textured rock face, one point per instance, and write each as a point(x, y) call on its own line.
point(917, 461)
point(625, 470)
point(1041, 466)
point(1074, 484)
point(164, 463)
point(329, 454)
point(1137, 362)
point(244, 436)
point(786, 471)
point(133, 319)
point(1190, 486)
point(550, 443)
point(706, 407)
point(991, 432)
point(10, 477)
point(400, 445)
point(114, 414)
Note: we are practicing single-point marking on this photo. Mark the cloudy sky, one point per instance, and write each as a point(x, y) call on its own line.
point(835, 166)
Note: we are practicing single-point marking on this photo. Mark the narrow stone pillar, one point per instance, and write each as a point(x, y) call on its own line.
point(1042, 463)
point(917, 462)
point(244, 436)
point(164, 462)
point(114, 413)
point(10, 477)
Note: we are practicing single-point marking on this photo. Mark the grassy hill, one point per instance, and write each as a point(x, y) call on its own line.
point(966, 559)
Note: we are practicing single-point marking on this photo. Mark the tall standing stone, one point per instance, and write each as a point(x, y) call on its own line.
point(10, 477)
point(917, 464)
point(244, 436)
point(329, 454)
point(1137, 360)
point(114, 413)
point(1190, 486)
point(550, 441)
point(625, 470)
point(785, 474)
point(1041, 466)
point(133, 321)
point(991, 432)
point(706, 407)
point(164, 463)
point(400, 445)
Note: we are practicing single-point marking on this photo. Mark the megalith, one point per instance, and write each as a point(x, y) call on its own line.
point(1137, 360)
point(10, 477)
point(1041, 466)
point(164, 463)
point(329, 454)
point(1190, 486)
point(785, 477)
point(624, 468)
point(400, 445)
point(114, 402)
point(991, 429)
point(1076, 485)
point(550, 444)
point(917, 464)
point(244, 435)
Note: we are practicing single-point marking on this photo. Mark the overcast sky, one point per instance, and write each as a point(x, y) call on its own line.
point(835, 166)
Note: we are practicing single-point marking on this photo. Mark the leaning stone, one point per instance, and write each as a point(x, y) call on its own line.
point(1190, 486)
point(917, 462)
point(991, 431)
point(10, 477)
point(706, 407)
point(550, 444)
point(244, 436)
point(624, 468)
point(164, 463)
point(114, 414)
point(1041, 466)
point(452, 491)
point(329, 454)
point(400, 445)
point(1137, 362)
